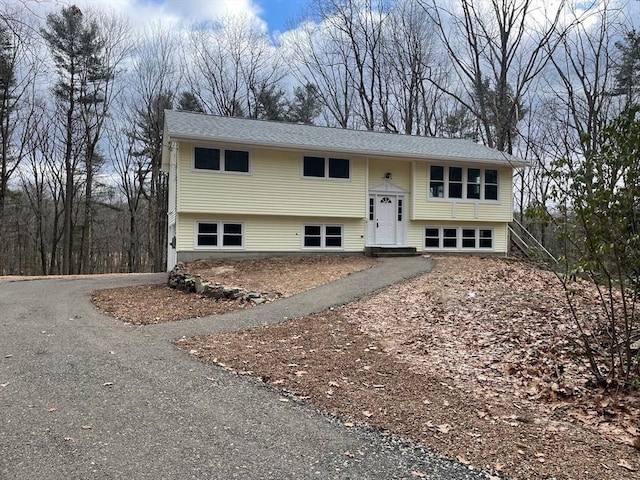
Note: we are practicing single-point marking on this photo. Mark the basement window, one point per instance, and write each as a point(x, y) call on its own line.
point(211, 235)
point(323, 237)
point(458, 238)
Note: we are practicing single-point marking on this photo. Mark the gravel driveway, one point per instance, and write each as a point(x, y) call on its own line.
point(85, 396)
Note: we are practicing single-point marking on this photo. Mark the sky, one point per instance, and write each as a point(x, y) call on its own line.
point(275, 14)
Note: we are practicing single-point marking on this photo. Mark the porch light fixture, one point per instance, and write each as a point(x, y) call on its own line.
point(387, 176)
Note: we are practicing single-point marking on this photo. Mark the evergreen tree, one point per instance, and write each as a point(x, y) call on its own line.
point(628, 74)
point(7, 106)
point(305, 106)
point(189, 102)
point(78, 55)
point(270, 103)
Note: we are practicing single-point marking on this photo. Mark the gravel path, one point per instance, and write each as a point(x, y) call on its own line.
point(84, 396)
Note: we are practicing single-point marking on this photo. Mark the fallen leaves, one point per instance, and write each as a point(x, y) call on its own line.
point(444, 428)
point(626, 465)
point(471, 377)
point(151, 304)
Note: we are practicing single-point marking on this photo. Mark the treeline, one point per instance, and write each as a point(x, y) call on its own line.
point(82, 97)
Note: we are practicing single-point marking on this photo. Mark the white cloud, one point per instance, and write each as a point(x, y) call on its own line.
point(144, 12)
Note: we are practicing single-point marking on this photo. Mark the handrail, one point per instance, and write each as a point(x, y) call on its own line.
point(535, 240)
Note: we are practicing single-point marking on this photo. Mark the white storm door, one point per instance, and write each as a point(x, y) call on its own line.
point(386, 219)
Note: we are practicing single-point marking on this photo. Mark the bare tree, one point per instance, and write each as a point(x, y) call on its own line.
point(496, 48)
point(155, 81)
point(342, 54)
point(18, 69)
point(411, 57)
point(584, 80)
point(231, 64)
point(78, 54)
point(98, 92)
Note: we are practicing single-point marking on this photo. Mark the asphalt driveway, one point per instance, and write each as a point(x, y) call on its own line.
point(85, 396)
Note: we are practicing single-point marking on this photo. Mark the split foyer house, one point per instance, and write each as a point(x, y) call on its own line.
point(242, 187)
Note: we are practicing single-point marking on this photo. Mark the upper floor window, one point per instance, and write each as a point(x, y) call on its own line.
point(220, 160)
point(321, 167)
point(463, 183)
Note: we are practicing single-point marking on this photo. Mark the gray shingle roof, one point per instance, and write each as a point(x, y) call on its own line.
point(201, 127)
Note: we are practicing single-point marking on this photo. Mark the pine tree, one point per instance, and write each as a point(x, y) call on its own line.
point(80, 66)
point(189, 102)
point(628, 74)
point(7, 106)
point(306, 105)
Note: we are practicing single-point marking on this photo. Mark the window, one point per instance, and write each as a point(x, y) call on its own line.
point(371, 208)
point(207, 234)
point(219, 234)
point(473, 183)
point(313, 167)
point(486, 238)
point(449, 238)
point(219, 160)
point(232, 234)
point(206, 158)
point(468, 238)
point(455, 182)
point(458, 238)
point(320, 167)
point(236, 161)
point(432, 237)
point(333, 236)
point(436, 185)
point(463, 183)
point(399, 209)
point(490, 184)
point(323, 236)
point(338, 168)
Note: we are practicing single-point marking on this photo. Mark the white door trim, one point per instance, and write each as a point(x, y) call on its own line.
point(390, 230)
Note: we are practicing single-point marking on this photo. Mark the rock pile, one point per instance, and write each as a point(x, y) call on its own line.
point(181, 279)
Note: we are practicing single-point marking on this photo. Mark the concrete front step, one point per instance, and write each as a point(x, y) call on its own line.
point(391, 252)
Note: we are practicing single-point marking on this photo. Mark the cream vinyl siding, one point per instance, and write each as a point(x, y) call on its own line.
point(275, 186)
point(400, 172)
point(271, 233)
point(415, 234)
point(464, 210)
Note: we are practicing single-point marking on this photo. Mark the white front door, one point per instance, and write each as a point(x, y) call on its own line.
point(386, 224)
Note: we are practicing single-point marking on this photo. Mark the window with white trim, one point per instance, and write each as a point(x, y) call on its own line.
point(323, 236)
point(463, 183)
point(219, 234)
point(458, 238)
point(321, 167)
point(220, 160)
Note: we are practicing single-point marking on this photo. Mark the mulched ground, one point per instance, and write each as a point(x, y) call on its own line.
point(462, 360)
point(149, 304)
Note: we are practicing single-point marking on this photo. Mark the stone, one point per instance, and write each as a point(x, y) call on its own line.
point(201, 286)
